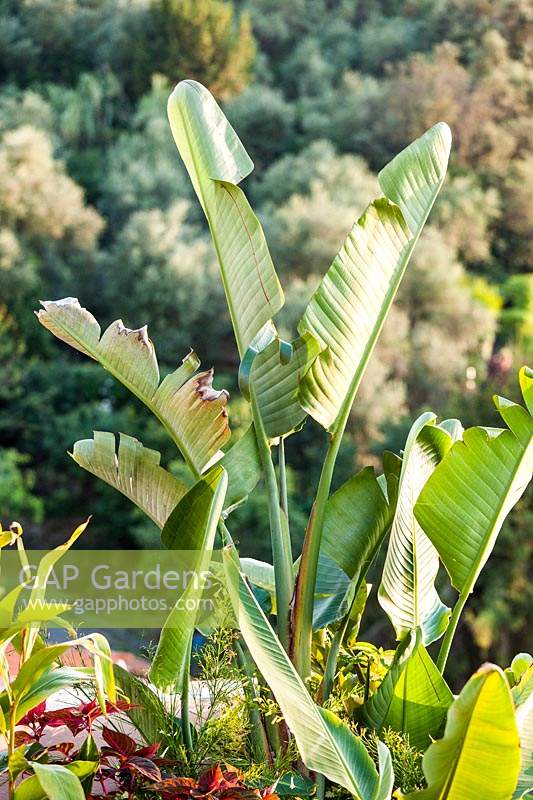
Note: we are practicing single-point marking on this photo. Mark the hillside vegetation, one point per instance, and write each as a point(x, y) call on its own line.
point(95, 203)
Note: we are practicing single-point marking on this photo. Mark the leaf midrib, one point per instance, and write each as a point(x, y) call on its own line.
point(346, 405)
point(97, 356)
point(294, 678)
point(462, 747)
point(201, 179)
point(476, 568)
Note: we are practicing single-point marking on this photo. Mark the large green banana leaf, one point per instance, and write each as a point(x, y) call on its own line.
point(148, 712)
point(243, 465)
point(524, 719)
point(191, 526)
point(479, 754)
point(134, 471)
point(331, 590)
point(524, 688)
point(523, 699)
point(465, 501)
point(407, 592)
point(194, 512)
point(193, 413)
point(217, 162)
point(347, 312)
point(260, 573)
point(334, 593)
point(325, 743)
point(526, 385)
point(276, 384)
point(413, 697)
point(356, 520)
point(389, 481)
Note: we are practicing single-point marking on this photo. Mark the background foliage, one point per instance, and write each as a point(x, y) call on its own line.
point(94, 203)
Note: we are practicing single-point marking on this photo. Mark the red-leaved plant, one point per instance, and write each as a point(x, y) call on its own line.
point(227, 784)
point(127, 764)
point(126, 768)
point(74, 718)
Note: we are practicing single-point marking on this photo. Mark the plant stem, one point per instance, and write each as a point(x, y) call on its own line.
point(184, 712)
point(305, 584)
point(320, 787)
point(331, 661)
point(259, 737)
point(451, 629)
point(225, 535)
point(276, 733)
point(283, 479)
point(279, 529)
point(11, 746)
point(367, 679)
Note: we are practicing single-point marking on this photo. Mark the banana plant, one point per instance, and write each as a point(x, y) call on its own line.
point(407, 592)
point(347, 313)
point(520, 678)
point(419, 501)
point(479, 754)
point(464, 503)
point(191, 526)
point(325, 743)
point(413, 697)
point(344, 317)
